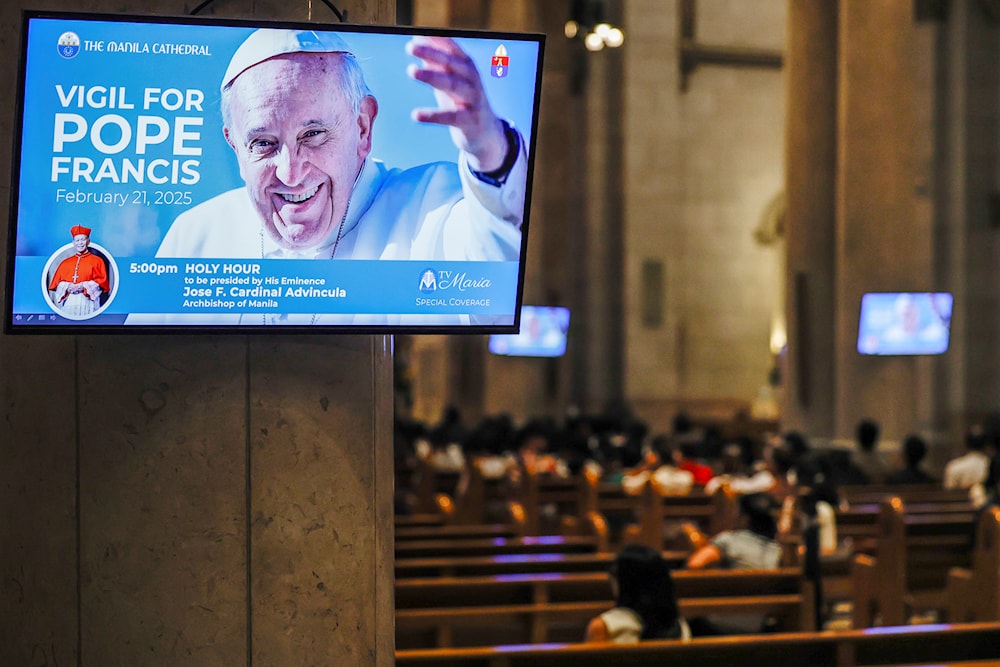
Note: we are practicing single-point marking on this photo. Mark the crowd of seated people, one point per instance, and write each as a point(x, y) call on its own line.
point(781, 482)
point(619, 449)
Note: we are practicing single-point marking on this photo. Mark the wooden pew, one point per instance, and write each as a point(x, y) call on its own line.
point(859, 522)
point(617, 508)
point(476, 506)
point(480, 499)
point(857, 531)
point(661, 515)
point(505, 564)
point(586, 504)
point(459, 531)
point(429, 484)
point(477, 513)
point(972, 645)
point(973, 594)
point(572, 498)
point(420, 520)
point(497, 546)
point(913, 555)
point(538, 608)
point(858, 528)
point(909, 493)
point(535, 492)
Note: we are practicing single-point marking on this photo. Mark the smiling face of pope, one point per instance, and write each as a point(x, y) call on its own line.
point(299, 144)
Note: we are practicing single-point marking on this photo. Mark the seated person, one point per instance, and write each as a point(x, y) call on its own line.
point(646, 604)
point(753, 546)
point(843, 470)
point(742, 472)
point(489, 444)
point(442, 458)
point(637, 469)
point(971, 468)
point(815, 500)
point(913, 453)
point(532, 443)
point(866, 456)
point(675, 455)
point(667, 478)
point(691, 447)
point(989, 496)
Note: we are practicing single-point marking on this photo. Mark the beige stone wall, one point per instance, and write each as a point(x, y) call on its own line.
point(682, 178)
point(447, 370)
point(881, 128)
point(701, 168)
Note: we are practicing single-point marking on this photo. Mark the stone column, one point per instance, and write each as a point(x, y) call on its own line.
point(967, 128)
point(195, 500)
point(885, 238)
point(603, 225)
point(811, 71)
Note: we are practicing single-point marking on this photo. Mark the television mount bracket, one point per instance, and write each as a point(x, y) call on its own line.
point(340, 14)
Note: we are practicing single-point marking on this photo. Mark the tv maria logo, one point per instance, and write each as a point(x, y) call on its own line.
point(69, 45)
point(428, 281)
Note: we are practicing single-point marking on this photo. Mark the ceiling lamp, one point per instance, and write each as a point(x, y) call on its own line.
point(587, 21)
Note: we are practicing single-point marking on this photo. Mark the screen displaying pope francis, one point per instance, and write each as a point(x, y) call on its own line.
point(263, 175)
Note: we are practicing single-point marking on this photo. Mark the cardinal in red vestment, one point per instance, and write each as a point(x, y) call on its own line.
point(80, 279)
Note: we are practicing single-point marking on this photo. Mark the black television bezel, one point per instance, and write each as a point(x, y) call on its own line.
point(173, 329)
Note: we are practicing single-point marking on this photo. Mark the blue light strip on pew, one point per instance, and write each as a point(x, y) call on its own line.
point(905, 629)
point(509, 648)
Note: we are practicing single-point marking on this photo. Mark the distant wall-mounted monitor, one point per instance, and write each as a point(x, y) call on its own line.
point(543, 334)
point(901, 323)
point(262, 176)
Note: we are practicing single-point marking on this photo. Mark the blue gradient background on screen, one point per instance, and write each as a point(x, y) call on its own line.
point(43, 223)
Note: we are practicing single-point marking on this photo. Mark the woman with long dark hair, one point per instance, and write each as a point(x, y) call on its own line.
point(646, 602)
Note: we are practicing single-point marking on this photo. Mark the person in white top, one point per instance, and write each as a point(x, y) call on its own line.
point(970, 469)
point(646, 601)
point(743, 473)
point(751, 546)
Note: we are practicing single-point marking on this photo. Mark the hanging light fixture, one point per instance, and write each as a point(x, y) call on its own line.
point(586, 21)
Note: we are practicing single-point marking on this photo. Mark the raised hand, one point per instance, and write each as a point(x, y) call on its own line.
point(462, 101)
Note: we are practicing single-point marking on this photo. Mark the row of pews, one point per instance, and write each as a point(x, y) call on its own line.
point(454, 505)
point(550, 607)
point(499, 593)
point(970, 645)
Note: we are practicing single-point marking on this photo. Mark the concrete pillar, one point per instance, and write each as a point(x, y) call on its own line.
point(810, 154)
point(195, 500)
point(604, 225)
point(968, 129)
point(861, 143)
point(884, 229)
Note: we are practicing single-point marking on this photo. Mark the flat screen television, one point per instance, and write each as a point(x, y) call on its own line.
point(543, 334)
point(209, 163)
point(901, 323)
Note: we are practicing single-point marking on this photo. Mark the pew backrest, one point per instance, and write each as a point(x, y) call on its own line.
point(913, 645)
point(543, 607)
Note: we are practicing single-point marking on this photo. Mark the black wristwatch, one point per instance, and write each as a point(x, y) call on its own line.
point(498, 176)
